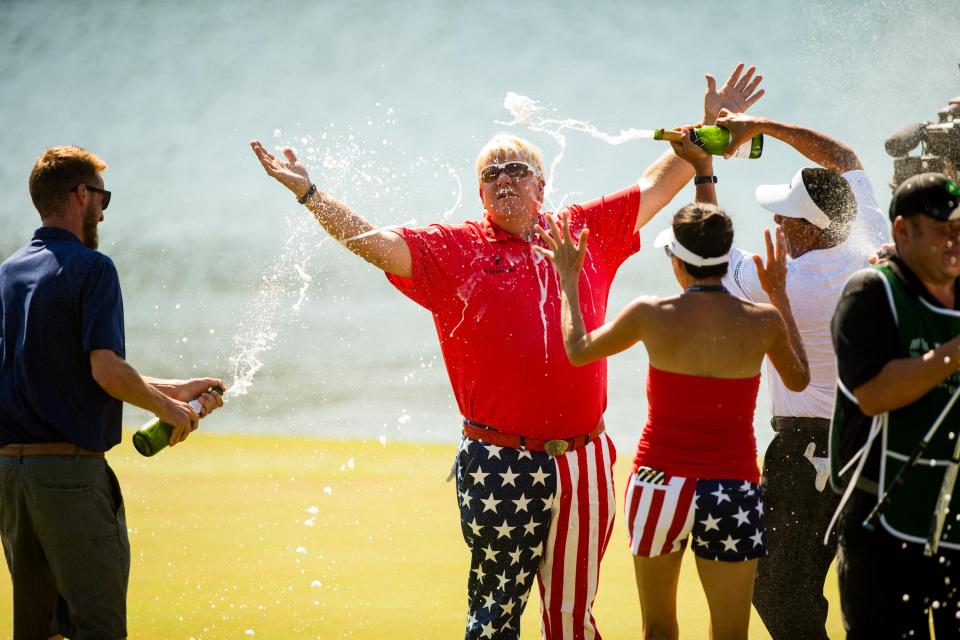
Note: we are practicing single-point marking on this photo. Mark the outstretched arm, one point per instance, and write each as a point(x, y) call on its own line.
point(668, 174)
point(167, 399)
point(567, 256)
point(383, 249)
point(817, 147)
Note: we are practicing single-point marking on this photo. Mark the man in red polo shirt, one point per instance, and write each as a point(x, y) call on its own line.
point(534, 470)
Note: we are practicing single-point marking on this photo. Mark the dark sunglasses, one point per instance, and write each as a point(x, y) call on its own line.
point(103, 192)
point(513, 169)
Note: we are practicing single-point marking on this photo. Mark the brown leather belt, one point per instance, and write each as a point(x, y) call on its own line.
point(489, 435)
point(48, 449)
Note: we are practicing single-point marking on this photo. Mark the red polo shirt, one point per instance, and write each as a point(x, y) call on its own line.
point(496, 306)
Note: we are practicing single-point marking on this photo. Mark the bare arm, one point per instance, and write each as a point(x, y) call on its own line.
point(817, 147)
point(119, 379)
point(786, 350)
point(668, 174)
point(208, 391)
point(905, 380)
point(660, 183)
point(582, 347)
point(383, 249)
point(702, 163)
point(620, 334)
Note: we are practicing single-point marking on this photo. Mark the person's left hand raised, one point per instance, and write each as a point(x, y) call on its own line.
point(566, 254)
point(773, 274)
point(737, 94)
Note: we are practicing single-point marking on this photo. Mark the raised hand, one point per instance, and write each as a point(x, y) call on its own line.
point(738, 93)
point(773, 274)
point(567, 256)
point(289, 171)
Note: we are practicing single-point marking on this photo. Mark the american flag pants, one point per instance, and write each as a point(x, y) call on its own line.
point(526, 514)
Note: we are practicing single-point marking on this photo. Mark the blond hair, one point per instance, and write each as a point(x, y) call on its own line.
point(495, 149)
point(57, 172)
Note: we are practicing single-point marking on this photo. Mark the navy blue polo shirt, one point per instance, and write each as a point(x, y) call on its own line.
point(58, 301)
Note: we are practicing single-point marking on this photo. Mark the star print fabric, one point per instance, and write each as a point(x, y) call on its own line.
point(526, 514)
point(725, 517)
point(505, 498)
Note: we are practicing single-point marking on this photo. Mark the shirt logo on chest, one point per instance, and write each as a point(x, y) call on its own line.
point(497, 264)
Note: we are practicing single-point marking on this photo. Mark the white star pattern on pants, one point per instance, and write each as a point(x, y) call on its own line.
point(490, 503)
point(539, 477)
point(521, 502)
point(509, 477)
point(493, 451)
point(503, 531)
point(478, 476)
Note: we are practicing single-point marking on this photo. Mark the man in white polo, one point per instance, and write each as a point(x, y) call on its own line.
point(832, 224)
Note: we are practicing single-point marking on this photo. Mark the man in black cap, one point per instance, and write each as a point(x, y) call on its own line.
point(896, 332)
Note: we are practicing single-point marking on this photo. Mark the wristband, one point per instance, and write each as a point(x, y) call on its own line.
point(705, 179)
point(312, 190)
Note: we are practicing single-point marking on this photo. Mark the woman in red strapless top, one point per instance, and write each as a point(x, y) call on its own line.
point(695, 472)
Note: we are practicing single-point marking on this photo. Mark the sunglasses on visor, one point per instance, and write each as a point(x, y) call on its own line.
point(513, 169)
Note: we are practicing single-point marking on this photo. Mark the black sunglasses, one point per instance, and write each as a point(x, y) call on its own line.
point(103, 192)
point(513, 169)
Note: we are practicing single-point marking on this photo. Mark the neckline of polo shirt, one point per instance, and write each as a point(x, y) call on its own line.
point(493, 231)
point(58, 233)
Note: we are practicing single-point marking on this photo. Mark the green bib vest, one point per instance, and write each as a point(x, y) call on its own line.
point(921, 327)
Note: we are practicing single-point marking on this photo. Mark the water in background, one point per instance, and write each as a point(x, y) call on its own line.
point(389, 103)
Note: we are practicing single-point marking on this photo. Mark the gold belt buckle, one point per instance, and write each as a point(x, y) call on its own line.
point(556, 447)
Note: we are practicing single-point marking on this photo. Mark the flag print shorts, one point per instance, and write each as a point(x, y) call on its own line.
point(725, 517)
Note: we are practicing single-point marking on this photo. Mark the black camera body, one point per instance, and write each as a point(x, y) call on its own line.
point(939, 146)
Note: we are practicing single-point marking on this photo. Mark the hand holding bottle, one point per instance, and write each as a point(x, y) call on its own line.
point(742, 128)
point(693, 153)
point(181, 417)
point(178, 419)
point(207, 391)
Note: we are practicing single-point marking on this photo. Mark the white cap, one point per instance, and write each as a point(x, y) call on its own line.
point(792, 201)
point(666, 239)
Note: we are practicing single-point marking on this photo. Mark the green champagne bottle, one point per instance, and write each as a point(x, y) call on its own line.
point(715, 140)
point(152, 437)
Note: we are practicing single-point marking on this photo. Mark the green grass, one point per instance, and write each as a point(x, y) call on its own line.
point(216, 523)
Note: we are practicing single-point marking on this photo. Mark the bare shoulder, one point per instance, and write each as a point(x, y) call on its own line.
point(762, 313)
point(647, 307)
point(654, 304)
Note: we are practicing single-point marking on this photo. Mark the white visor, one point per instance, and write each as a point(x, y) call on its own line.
point(666, 239)
point(792, 201)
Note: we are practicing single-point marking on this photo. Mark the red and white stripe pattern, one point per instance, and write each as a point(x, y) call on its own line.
point(580, 527)
point(660, 512)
